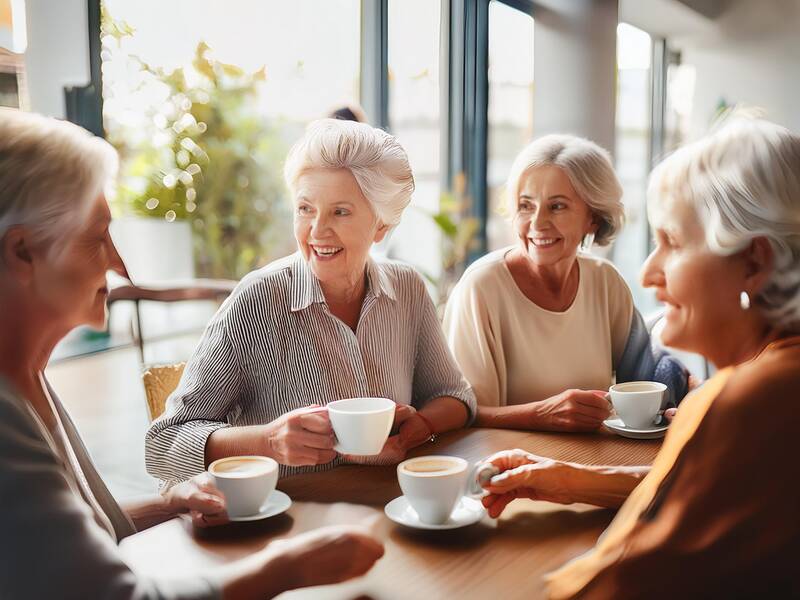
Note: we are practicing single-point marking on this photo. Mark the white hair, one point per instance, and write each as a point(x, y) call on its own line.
point(590, 171)
point(50, 173)
point(376, 159)
point(743, 181)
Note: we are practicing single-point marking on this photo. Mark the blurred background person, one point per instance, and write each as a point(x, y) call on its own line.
point(349, 112)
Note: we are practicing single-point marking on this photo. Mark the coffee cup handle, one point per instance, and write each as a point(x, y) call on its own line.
point(481, 473)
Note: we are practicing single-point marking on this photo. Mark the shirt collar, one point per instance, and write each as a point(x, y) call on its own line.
point(378, 281)
point(305, 289)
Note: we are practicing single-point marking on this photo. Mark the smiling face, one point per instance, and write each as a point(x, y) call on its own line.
point(700, 289)
point(334, 225)
point(551, 219)
point(71, 283)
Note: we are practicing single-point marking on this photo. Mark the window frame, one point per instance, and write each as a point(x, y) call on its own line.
point(84, 104)
point(466, 137)
point(465, 90)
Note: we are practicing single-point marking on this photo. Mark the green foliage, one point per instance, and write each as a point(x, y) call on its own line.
point(458, 237)
point(200, 152)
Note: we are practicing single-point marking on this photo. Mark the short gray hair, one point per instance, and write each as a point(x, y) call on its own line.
point(743, 182)
point(590, 171)
point(50, 173)
point(376, 159)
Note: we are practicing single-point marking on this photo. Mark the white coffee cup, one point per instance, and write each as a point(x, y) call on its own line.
point(433, 485)
point(361, 425)
point(245, 481)
point(637, 402)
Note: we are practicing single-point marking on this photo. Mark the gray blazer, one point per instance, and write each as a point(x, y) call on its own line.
point(51, 545)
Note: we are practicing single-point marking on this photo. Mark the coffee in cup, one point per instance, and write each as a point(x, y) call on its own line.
point(361, 425)
point(433, 485)
point(637, 402)
point(245, 481)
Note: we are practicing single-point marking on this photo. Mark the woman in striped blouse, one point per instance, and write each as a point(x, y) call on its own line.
point(323, 324)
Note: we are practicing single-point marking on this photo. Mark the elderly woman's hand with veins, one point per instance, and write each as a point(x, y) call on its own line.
point(405, 434)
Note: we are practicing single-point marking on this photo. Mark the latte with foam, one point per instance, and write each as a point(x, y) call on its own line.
point(245, 481)
point(433, 467)
point(241, 467)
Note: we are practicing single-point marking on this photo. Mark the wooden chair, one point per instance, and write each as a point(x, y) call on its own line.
point(196, 289)
point(159, 383)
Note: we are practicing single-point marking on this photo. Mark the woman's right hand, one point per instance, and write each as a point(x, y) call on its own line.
point(571, 410)
point(301, 437)
point(326, 556)
point(320, 557)
point(525, 475)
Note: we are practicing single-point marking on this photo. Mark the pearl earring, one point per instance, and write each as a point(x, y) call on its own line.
point(744, 300)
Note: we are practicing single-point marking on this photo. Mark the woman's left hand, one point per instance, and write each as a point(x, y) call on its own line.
point(525, 475)
point(198, 497)
point(409, 427)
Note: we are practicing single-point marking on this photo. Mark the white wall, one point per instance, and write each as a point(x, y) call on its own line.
point(575, 53)
point(57, 53)
point(6, 38)
point(751, 54)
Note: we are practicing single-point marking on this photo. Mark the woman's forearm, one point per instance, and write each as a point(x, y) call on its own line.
point(505, 417)
point(445, 413)
point(237, 441)
point(439, 415)
point(149, 511)
point(606, 486)
point(264, 574)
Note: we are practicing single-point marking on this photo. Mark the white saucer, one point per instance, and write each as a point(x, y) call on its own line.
point(651, 433)
point(277, 503)
point(467, 511)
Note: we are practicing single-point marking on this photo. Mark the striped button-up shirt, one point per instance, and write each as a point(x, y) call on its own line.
point(274, 346)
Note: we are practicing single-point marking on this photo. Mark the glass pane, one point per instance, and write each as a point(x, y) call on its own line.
point(6, 28)
point(9, 92)
point(414, 97)
point(632, 154)
point(12, 48)
point(678, 111)
point(204, 98)
point(510, 122)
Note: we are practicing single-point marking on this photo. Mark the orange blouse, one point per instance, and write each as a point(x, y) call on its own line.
point(719, 513)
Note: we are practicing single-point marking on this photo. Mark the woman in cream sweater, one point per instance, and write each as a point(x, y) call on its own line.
point(539, 329)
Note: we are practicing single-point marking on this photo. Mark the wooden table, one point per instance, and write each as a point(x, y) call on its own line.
point(491, 559)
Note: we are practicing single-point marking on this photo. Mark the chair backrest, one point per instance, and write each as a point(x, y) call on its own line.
point(159, 383)
point(697, 365)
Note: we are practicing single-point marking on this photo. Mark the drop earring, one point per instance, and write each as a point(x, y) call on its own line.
point(744, 300)
point(587, 241)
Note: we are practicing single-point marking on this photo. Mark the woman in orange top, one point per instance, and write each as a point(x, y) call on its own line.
point(717, 514)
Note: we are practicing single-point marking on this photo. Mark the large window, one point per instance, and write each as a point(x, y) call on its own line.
point(632, 153)
point(414, 34)
point(204, 99)
point(510, 113)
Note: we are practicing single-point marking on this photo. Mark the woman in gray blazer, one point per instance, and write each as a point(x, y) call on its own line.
point(59, 525)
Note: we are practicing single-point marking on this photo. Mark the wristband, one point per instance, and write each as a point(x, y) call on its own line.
point(432, 438)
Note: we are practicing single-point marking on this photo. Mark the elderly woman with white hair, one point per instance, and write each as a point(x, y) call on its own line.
point(717, 514)
point(539, 329)
point(326, 323)
point(60, 524)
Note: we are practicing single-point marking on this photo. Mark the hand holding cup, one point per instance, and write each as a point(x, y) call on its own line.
point(200, 498)
point(396, 446)
point(525, 475)
point(301, 437)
